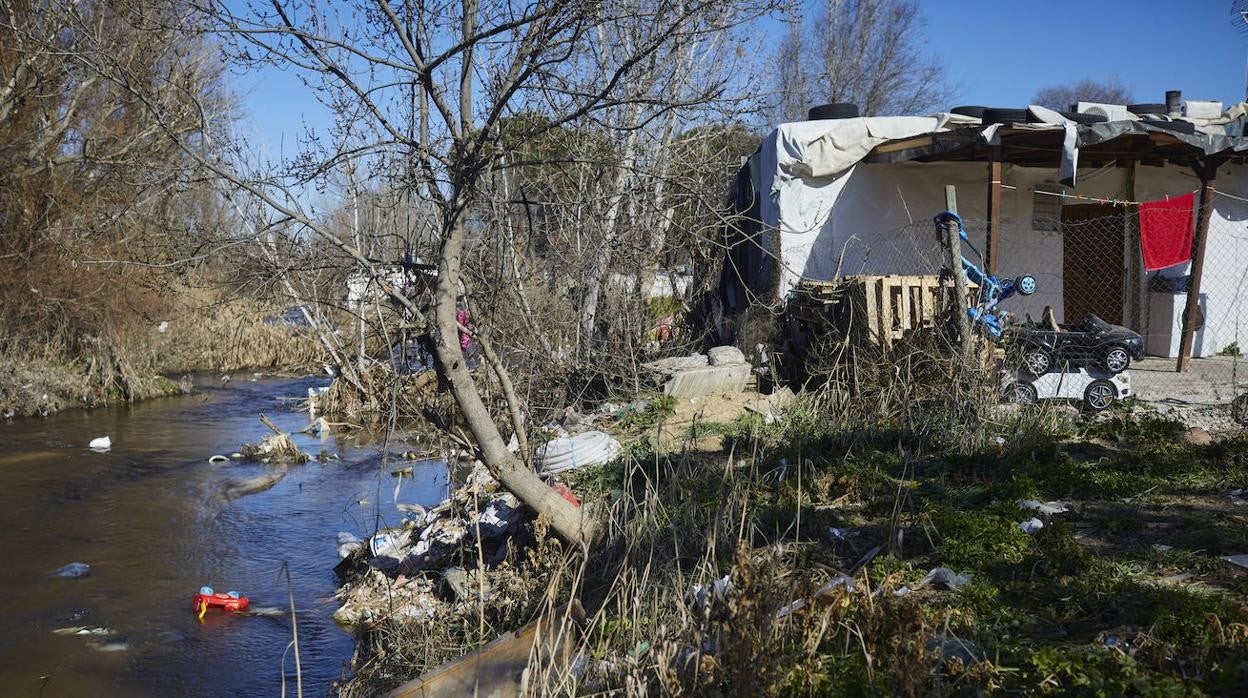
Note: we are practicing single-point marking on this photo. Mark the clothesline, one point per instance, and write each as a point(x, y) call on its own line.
point(1115, 201)
point(1093, 199)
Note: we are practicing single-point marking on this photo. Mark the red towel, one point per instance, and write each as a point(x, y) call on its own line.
point(1166, 231)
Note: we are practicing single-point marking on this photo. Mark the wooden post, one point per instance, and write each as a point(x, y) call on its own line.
point(992, 241)
point(953, 259)
point(1207, 171)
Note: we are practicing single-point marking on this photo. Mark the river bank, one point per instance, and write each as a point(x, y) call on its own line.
point(154, 361)
point(830, 552)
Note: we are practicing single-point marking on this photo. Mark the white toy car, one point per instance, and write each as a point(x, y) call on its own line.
point(1097, 389)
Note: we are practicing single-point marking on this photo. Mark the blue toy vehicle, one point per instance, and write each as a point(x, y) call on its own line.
point(992, 290)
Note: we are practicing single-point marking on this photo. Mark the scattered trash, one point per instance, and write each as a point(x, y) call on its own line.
point(566, 493)
point(240, 488)
point(83, 630)
point(74, 570)
point(1031, 526)
point(942, 577)
point(406, 508)
point(1000, 441)
point(347, 543)
point(840, 534)
point(575, 452)
point(462, 585)
point(386, 545)
point(111, 644)
point(773, 405)
point(101, 444)
point(1162, 547)
point(1239, 560)
point(717, 591)
point(218, 459)
point(1176, 578)
point(1046, 508)
point(839, 582)
point(948, 648)
point(163, 327)
point(231, 601)
point(278, 447)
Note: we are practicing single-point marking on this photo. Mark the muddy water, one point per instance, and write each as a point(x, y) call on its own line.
point(149, 519)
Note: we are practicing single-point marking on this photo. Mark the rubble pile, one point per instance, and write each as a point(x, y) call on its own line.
point(430, 564)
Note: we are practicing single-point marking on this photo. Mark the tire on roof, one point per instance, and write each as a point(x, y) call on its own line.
point(836, 110)
point(997, 115)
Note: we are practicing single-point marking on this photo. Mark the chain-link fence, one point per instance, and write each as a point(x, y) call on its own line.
point(1109, 300)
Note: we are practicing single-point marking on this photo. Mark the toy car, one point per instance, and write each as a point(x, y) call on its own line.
point(1097, 389)
point(1090, 343)
point(232, 602)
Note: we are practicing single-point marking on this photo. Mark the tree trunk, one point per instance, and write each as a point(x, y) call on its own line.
point(569, 521)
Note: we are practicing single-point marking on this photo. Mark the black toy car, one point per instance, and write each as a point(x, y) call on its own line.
point(1091, 343)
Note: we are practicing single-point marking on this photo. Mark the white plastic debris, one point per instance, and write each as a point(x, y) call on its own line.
point(1240, 560)
point(942, 577)
point(386, 545)
point(74, 570)
point(163, 327)
point(100, 443)
point(1031, 526)
point(575, 452)
point(839, 533)
point(218, 459)
point(1046, 508)
point(347, 542)
point(717, 590)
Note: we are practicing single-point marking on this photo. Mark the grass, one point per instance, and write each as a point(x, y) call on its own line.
point(1086, 606)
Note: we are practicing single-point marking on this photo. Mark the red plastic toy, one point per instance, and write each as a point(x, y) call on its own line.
point(207, 598)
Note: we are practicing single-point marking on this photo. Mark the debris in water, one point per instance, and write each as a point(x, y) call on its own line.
point(74, 570)
point(111, 644)
point(218, 459)
point(239, 488)
point(82, 630)
point(100, 444)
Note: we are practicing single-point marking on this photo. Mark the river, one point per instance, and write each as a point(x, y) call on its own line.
point(149, 518)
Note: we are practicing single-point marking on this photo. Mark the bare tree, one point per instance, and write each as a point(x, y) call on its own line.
point(434, 83)
point(90, 174)
point(866, 52)
point(1063, 97)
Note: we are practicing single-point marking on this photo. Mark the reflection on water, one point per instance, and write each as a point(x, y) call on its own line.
point(149, 519)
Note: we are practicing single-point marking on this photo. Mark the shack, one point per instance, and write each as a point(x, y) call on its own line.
point(1055, 195)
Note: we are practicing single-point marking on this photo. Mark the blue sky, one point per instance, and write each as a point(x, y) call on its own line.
point(1000, 52)
point(995, 52)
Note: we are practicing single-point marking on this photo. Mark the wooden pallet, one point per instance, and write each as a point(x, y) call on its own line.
point(877, 309)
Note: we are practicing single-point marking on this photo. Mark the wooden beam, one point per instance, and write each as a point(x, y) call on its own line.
point(953, 259)
point(1207, 171)
point(993, 241)
point(904, 144)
